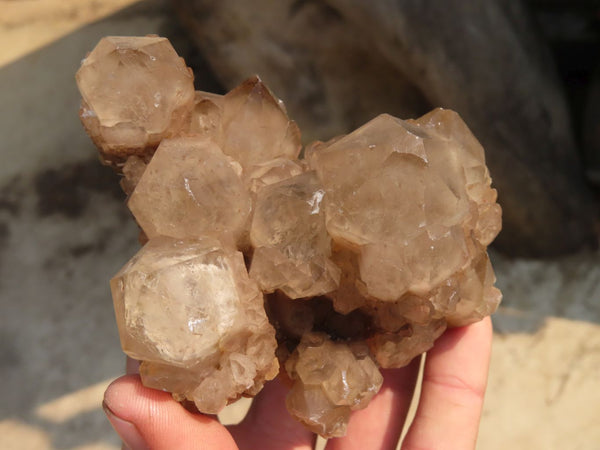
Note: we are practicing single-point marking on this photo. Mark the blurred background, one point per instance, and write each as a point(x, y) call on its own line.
point(525, 76)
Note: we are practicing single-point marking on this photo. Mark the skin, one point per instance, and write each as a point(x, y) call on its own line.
point(447, 417)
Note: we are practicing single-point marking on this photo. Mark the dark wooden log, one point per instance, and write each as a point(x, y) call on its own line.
point(591, 131)
point(330, 78)
point(338, 63)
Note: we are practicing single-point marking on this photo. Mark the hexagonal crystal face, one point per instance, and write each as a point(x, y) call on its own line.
point(176, 300)
point(190, 312)
point(136, 91)
point(191, 189)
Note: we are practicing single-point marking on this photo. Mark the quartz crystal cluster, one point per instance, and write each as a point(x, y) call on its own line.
point(257, 263)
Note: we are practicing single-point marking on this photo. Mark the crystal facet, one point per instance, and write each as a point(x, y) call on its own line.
point(136, 91)
point(191, 189)
point(292, 247)
point(249, 107)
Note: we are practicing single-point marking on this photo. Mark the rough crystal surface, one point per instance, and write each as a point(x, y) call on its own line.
point(330, 380)
point(292, 247)
point(136, 91)
point(366, 250)
point(402, 246)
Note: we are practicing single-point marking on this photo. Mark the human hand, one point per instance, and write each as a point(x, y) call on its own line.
point(447, 417)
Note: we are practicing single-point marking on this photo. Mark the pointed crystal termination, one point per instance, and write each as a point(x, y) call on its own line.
point(136, 91)
point(331, 379)
point(367, 249)
point(251, 107)
point(190, 312)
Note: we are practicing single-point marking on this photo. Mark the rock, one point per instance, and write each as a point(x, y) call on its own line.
point(591, 130)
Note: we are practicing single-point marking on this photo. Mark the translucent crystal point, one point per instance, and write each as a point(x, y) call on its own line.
point(136, 91)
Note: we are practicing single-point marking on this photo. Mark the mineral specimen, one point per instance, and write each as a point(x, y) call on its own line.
point(136, 91)
point(356, 257)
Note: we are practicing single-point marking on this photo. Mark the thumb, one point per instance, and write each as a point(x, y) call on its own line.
point(146, 418)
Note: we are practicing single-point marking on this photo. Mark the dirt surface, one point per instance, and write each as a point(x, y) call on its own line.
point(64, 231)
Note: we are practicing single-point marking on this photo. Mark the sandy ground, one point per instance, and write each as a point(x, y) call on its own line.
point(63, 234)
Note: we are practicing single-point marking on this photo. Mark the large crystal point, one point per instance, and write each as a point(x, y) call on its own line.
point(456, 143)
point(189, 310)
point(191, 189)
point(255, 127)
point(408, 198)
point(136, 91)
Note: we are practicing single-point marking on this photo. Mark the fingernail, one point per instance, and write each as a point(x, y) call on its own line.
point(128, 432)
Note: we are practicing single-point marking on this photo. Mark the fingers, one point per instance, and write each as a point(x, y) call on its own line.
point(448, 415)
point(454, 383)
point(269, 426)
point(147, 418)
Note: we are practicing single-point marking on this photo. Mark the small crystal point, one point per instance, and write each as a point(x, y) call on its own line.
point(330, 381)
